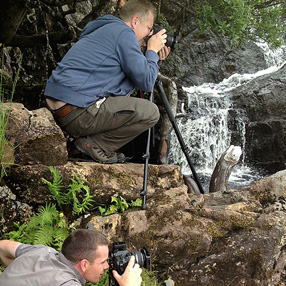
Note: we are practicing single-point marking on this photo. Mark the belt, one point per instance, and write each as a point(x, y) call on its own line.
point(64, 110)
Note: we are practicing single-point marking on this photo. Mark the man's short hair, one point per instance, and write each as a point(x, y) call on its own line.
point(137, 7)
point(82, 244)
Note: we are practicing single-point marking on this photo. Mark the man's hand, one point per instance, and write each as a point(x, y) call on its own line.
point(157, 41)
point(131, 275)
point(164, 52)
point(7, 251)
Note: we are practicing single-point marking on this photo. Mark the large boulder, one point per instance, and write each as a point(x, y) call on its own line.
point(36, 137)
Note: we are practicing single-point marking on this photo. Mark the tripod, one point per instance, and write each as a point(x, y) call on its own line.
point(185, 149)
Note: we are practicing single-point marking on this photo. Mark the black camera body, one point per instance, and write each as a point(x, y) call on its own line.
point(120, 257)
point(172, 39)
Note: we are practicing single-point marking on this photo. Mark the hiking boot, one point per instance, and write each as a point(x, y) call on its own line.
point(120, 157)
point(93, 150)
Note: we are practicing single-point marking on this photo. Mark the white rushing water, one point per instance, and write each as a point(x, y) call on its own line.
point(205, 128)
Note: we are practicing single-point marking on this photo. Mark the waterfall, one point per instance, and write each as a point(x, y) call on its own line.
point(204, 123)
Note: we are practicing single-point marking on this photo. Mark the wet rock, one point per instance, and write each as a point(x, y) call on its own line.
point(262, 104)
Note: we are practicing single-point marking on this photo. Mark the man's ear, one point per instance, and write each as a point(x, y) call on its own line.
point(134, 21)
point(82, 265)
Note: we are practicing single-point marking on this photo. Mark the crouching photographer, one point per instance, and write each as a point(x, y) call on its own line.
point(84, 257)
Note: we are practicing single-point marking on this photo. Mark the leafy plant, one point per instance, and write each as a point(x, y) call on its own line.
point(48, 227)
point(118, 205)
point(241, 20)
point(5, 145)
point(71, 196)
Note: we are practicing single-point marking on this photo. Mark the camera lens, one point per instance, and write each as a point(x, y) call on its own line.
point(138, 258)
point(172, 41)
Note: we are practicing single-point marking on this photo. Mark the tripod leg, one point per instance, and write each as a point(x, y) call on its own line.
point(185, 149)
point(146, 156)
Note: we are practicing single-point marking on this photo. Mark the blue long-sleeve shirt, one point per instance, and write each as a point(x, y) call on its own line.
point(107, 60)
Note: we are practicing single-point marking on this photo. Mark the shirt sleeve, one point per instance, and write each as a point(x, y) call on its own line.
point(142, 70)
point(24, 248)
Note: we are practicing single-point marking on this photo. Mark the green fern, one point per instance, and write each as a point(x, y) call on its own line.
point(75, 187)
point(48, 227)
point(118, 205)
point(71, 196)
point(55, 187)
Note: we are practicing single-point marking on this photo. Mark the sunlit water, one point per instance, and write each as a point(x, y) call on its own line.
point(204, 127)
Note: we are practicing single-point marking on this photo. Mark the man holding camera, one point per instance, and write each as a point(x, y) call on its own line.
point(84, 257)
point(89, 91)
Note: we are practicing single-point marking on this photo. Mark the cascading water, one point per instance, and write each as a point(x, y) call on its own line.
point(204, 124)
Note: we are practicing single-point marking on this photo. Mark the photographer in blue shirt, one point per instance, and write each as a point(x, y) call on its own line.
point(89, 91)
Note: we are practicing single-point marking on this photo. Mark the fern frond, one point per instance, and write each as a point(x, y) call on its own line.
point(34, 222)
point(44, 235)
point(75, 187)
point(55, 187)
point(60, 234)
point(17, 235)
point(136, 203)
point(48, 215)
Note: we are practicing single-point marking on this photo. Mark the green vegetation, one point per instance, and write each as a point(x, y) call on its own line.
point(6, 149)
point(50, 225)
point(241, 20)
point(71, 196)
point(118, 205)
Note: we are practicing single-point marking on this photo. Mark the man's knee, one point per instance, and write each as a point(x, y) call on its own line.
point(151, 115)
point(155, 113)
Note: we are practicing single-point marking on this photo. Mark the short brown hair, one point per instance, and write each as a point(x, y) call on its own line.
point(137, 7)
point(82, 244)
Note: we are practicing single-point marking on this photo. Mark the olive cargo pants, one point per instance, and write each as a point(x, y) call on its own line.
point(116, 122)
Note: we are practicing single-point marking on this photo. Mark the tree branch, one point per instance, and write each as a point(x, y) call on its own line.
point(41, 40)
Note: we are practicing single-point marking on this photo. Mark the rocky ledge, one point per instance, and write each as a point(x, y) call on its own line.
point(231, 237)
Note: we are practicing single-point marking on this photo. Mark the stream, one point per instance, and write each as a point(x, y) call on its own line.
point(203, 124)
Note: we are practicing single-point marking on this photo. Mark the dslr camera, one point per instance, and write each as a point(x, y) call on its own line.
point(120, 257)
point(172, 39)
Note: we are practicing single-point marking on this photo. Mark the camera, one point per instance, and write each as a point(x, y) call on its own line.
point(120, 257)
point(172, 40)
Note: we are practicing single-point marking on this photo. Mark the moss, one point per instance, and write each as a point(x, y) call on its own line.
point(251, 266)
point(239, 222)
point(97, 179)
point(215, 231)
point(153, 174)
point(124, 179)
point(192, 222)
point(162, 199)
